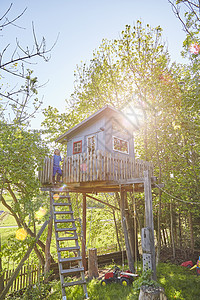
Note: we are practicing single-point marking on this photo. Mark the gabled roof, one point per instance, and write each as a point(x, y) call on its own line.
point(106, 109)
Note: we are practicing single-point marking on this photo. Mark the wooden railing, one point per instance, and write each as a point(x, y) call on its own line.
point(99, 166)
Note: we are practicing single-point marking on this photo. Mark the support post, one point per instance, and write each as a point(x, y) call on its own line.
point(149, 218)
point(128, 250)
point(84, 232)
point(92, 263)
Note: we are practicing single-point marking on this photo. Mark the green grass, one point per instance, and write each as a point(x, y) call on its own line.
point(178, 282)
point(8, 220)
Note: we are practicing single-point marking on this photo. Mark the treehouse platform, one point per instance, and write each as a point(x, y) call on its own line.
point(97, 172)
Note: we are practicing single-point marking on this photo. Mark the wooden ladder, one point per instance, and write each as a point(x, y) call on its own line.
point(69, 257)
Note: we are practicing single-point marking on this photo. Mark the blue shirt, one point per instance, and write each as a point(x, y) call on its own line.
point(56, 160)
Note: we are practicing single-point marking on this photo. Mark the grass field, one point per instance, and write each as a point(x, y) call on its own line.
point(8, 220)
point(178, 282)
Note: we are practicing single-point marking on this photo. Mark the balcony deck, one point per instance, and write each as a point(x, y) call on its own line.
point(95, 172)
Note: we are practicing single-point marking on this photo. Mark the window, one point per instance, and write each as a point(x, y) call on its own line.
point(120, 145)
point(118, 126)
point(91, 143)
point(77, 147)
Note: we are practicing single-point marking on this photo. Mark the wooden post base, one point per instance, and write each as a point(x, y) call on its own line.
point(92, 263)
point(151, 293)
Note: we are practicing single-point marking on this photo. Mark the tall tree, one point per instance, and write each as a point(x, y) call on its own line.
point(22, 149)
point(137, 63)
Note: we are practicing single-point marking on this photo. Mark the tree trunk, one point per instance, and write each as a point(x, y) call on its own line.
point(136, 230)
point(47, 248)
point(117, 231)
point(123, 217)
point(164, 237)
point(172, 231)
point(191, 231)
point(39, 255)
point(130, 228)
point(26, 256)
point(48, 240)
point(151, 293)
point(159, 230)
point(1, 274)
point(20, 224)
point(179, 230)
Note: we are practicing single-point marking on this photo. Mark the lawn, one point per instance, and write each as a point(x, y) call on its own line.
point(8, 220)
point(179, 283)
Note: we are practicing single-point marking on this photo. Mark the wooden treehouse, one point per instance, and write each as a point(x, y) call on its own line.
point(100, 158)
point(100, 155)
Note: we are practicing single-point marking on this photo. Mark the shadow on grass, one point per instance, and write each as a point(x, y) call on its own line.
point(98, 292)
point(179, 282)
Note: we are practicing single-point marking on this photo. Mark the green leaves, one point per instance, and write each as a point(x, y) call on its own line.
point(22, 151)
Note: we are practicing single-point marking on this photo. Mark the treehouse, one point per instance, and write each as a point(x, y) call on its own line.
point(100, 154)
point(100, 158)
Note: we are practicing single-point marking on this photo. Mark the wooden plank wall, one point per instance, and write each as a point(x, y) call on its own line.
point(96, 167)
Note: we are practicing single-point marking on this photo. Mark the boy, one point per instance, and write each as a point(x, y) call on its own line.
point(56, 165)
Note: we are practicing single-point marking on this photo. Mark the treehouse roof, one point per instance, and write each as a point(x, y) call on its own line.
point(106, 110)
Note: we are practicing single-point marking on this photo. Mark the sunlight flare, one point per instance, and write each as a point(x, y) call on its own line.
point(21, 234)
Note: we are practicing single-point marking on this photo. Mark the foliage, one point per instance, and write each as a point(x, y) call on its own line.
point(178, 282)
point(18, 98)
point(14, 250)
point(136, 69)
point(100, 229)
point(118, 68)
point(21, 150)
point(38, 291)
point(144, 279)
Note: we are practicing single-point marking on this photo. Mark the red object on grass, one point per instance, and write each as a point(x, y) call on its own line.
point(109, 275)
point(187, 264)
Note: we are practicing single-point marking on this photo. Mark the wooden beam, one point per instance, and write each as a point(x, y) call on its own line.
point(113, 207)
point(84, 232)
point(123, 217)
point(128, 181)
point(149, 218)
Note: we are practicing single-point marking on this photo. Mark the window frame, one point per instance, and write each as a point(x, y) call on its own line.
point(95, 142)
point(74, 145)
point(121, 139)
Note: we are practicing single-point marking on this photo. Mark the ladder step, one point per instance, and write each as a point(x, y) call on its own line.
point(65, 229)
point(61, 204)
point(63, 196)
point(69, 248)
point(63, 212)
point(64, 221)
point(67, 238)
point(66, 284)
point(70, 271)
point(65, 218)
point(69, 259)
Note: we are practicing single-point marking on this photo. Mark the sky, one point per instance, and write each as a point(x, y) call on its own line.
point(80, 26)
